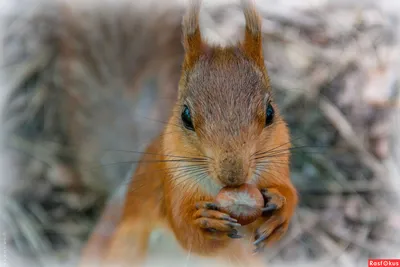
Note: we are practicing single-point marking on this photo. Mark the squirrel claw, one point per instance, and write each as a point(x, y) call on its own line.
point(259, 243)
point(207, 205)
point(269, 208)
point(259, 248)
point(270, 231)
point(214, 223)
point(234, 236)
point(273, 202)
point(233, 225)
point(259, 239)
point(229, 218)
point(276, 221)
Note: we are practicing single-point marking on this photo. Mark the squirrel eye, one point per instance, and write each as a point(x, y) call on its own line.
point(269, 115)
point(187, 118)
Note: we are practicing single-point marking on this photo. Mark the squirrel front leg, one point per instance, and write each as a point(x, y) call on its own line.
point(129, 244)
point(197, 222)
point(280, 203)
point(141, 213)
point(118, 241)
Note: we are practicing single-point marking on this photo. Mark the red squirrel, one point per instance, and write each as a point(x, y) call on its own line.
point(225, 131)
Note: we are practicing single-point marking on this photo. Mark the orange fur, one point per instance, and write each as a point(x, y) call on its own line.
point(253, 41)
point(227, 90)
point(192, 40)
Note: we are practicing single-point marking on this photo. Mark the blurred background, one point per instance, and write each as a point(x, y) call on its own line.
point(86, 85)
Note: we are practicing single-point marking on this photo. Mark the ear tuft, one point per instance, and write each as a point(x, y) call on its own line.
point(192, 40)
point(252, 44)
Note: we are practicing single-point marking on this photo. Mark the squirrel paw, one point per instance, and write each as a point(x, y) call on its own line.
point(214, 223)
point(276, 223)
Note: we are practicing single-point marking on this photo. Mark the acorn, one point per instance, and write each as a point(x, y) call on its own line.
point(242, 203)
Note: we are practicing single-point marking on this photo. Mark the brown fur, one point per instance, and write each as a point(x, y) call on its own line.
point(227, 91)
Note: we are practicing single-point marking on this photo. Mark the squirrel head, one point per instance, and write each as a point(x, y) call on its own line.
point(224, 116)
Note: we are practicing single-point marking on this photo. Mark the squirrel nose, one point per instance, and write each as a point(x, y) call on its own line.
point(232, 173)
point(232, 178)
point(233, 182)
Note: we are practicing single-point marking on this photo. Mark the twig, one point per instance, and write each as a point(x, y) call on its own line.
point(337, 252)
point(336, 117)
point(351, 187)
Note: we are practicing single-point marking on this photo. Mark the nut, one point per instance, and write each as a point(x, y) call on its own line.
point(242, 203)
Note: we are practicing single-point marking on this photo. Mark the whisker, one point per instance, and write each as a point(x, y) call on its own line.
point(271, 173)
point(284, 153)
point(155, 154)
point(150, 161)
point(271, 149)
point(282, 162)
point(178, 168)
point(174, 160)
point(187, 171)
point(293, 140)
point(194, 180)
point(290, 150)
point(184, 181)
point(192, 173)
point(161, 170)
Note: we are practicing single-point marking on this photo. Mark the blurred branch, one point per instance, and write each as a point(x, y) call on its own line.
point(345, 129)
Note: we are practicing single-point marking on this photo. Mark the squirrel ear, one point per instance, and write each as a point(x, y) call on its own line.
point(192, 40)
point(252, 44)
